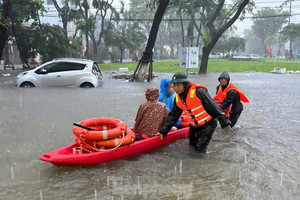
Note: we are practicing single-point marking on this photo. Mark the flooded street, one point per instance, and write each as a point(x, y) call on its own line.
point(260, 159)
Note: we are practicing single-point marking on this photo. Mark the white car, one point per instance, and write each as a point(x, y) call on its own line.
point(62, 72)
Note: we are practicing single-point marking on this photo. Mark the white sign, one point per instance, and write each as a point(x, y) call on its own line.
point(182, 57)
point(189, 57)
point(193, 57)
point(287, 45)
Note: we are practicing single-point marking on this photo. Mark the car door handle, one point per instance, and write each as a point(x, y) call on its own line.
point(58, 76)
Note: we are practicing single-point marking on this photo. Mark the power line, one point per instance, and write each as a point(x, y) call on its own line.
point(177, 19)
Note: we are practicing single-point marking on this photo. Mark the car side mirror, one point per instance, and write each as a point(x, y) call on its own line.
point(43, 71)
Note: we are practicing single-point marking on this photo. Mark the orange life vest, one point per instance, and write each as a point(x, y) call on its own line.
point(193, 107)
point(221, 95)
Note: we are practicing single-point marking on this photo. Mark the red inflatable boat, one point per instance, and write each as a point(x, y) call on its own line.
point(72, 154)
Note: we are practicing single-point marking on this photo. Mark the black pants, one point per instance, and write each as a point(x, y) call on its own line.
point(233, 117)
point(200, 136)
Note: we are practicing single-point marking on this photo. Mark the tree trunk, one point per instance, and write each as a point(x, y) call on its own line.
point(182, 31)
point(121, 56)
point(147, 54)
point(95, 50)
point(216, 34)
point(204, 60)
point(291, 55)
point(3, 28)
point(172, 52)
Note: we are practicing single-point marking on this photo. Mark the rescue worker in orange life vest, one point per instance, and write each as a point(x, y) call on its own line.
point(229, 98)
point(201, 109)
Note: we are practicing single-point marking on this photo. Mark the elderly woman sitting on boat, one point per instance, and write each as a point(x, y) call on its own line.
point(151, 114)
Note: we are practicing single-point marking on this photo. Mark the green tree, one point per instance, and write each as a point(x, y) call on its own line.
point(230, 45)
point(96, 24)
point(140, 71)
point(64, 12)
point(4, 24)
point(50, 42)
point(22, 11)
point(216, 17)
point(216, 27)
point(222, 46)
point(125, 35)
point(169, 33)
point(268, 22)
point(237, 44)
point(291, 33)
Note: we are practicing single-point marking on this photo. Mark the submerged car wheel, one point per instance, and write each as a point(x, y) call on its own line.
point(27, 85)
point(87, 85)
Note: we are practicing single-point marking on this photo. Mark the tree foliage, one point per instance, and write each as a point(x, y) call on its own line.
point(291, 33)
point(4, 24)
point(229, 45)
point(64, 12)
point(125, 35)
point(32, 36)
point(96, 24)
point(21, 12)
point(268, 22)
point(216, 17)
point(147, 54)
point(50, 42)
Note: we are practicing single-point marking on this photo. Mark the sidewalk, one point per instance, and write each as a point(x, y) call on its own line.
point(11, 72)
point(17, 66)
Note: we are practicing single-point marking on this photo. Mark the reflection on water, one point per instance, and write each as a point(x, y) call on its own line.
point(259, 160)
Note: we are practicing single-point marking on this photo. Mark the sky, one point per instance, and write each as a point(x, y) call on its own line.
point(247, 23)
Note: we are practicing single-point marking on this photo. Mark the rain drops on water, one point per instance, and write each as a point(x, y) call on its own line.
point(12, 172)
point(96, 195)
point(41, 195)
point(180, 167)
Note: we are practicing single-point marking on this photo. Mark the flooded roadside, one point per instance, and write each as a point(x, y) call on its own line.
point(259, 160)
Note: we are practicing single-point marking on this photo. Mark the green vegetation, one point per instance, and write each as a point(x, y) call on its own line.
point(214, 65)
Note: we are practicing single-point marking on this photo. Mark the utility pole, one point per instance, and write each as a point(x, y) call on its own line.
point(291, 51)
point(290, 11)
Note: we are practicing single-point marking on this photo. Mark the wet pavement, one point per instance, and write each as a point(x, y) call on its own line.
point(259, 160)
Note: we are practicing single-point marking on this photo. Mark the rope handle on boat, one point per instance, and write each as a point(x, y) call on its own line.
point(83, 140)
point(84, 127)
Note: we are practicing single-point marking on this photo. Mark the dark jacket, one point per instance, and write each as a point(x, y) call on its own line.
point(208, 103)
point(232, 97)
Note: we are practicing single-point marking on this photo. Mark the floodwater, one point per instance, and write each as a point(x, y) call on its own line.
point(259, 160)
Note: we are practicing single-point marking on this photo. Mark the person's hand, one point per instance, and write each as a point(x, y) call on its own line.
point(174, 128)
point(228, 128)
point(159, 134)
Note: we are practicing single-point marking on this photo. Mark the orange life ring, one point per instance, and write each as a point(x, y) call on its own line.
point(105, 128)
point(106, 144)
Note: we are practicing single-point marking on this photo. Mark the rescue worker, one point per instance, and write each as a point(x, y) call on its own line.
point(229, 98)
point(201, 109)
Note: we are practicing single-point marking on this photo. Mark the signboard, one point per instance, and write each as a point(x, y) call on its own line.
point(287, 45)
point(193, 57)
point(189, 57)
point(182, 57)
